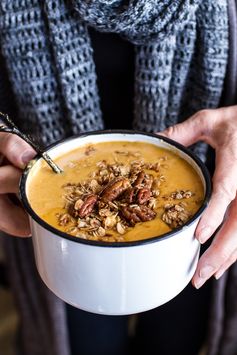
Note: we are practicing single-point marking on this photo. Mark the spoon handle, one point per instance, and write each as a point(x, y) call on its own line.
point(9, 126)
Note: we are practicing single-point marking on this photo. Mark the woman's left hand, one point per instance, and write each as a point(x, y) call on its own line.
point(219, 129)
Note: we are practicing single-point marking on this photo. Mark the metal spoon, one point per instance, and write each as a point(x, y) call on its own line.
point(9, 126)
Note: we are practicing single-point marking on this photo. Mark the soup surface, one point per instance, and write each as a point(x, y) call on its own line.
point(116, 191)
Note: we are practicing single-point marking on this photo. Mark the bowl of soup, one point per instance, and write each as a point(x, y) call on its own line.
point(114, 232)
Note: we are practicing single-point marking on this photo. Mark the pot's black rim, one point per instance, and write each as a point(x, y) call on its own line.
point(59, 233)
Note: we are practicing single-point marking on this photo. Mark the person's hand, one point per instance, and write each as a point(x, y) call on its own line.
point(16, 153)
point(219, 129)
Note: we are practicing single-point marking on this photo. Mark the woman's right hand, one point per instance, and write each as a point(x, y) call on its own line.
point(16, 153)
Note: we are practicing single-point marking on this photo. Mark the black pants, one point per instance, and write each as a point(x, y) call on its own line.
point(176, 328)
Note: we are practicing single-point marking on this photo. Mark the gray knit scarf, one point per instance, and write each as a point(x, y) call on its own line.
point(48, 83)
point(181, 48)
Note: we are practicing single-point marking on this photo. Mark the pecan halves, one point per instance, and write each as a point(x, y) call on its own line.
point(136, 195)
point(139, 179)
point(114, 189)
point(143, 195)
point(87, 206)
point(143, 180)
point(131, 195)
point(130, 215)
point(145, 213)
point(135, 214)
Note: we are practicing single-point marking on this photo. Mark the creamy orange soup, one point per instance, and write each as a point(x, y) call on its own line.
point(116, 191)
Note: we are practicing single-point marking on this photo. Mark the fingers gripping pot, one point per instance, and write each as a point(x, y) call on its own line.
point(115, 278)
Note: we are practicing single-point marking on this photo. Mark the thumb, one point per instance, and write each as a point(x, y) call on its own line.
point(17, 151)
point(190, 131)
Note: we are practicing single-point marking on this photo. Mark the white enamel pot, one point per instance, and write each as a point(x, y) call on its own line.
point(115, 278)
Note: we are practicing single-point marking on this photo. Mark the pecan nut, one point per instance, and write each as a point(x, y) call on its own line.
point(87, 206)
point(136, 195)
point(130, 215)
point(143, 180)
point(135, 214)
point(139, 179)
point(114, 189)
point(143, 195)
point(131, 195)
point(145, 213)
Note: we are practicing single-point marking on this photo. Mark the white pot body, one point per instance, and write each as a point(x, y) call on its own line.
point(115, 279)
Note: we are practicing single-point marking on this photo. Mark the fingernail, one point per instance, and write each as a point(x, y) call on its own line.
point(27, 236)
point(204, 234)
point(206, 271)
point(218, 274)
point(198, 283)
point(27, 156)
point(204, 274)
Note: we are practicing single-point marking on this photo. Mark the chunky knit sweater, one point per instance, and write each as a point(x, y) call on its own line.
point(48, 84)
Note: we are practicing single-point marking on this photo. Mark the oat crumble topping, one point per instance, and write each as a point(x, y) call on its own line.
point(116, 197)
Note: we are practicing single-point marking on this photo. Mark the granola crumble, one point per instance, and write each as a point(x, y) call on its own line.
point(113, 199)
point(116, 196)
point(181, 194)
point(175, 215)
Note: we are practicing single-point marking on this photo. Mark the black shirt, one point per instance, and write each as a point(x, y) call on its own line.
point(114, 61)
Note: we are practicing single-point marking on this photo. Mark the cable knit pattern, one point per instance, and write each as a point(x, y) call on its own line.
point(181, 49)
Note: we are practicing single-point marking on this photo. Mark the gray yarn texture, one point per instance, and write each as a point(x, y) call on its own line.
point(48, 83)
point(181, 55)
